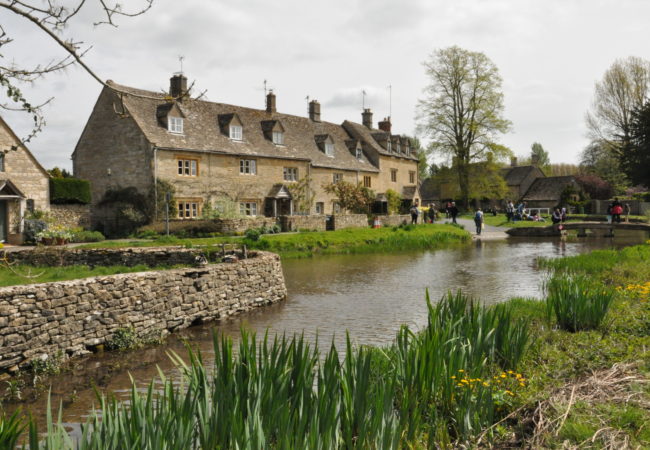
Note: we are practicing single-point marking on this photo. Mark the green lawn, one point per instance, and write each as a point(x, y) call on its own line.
point(307, 244)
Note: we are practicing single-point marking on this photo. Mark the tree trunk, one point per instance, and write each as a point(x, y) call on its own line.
point(463, 182)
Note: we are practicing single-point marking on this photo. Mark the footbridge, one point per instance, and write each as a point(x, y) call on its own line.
point(581, 227)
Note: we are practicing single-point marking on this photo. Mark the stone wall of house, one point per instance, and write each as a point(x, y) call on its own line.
point(71, 216)
point(349, 220)
point(394, 220)
point(295, 223)
point(70, 317)
point(224, 226)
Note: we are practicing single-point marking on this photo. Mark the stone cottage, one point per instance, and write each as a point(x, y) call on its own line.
point(213, 152)
point(24, 185)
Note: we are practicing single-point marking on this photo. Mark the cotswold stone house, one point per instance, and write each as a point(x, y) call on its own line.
point(213, 151)
point(24, 185)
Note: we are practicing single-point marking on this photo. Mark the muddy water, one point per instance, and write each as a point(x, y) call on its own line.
point(369, 296)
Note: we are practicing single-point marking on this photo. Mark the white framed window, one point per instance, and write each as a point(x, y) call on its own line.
point(412, 176)
point(188, 167)
point(188, 210)
point(399, 148)
point(248, 208)
point(337, 177)
point(407, 150)
point(359, 153)
point(247, 167)
point(236, 133)
point(278, 138)
point(329, 148)
point(320, 208)
point(393, 175)
point(389, 146)
point(336, 208)
point(175, 124)
point(290, 174)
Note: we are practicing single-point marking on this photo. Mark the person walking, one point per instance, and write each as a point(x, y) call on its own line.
point(415, 212)
point(431, 213)
point(478, 220)
point(617, 210)
point(453, 212)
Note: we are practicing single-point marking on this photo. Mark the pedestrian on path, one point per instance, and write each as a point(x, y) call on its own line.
point(478, 220)
point(453, 212)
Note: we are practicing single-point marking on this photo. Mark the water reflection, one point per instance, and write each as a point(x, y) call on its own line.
point(368, 295)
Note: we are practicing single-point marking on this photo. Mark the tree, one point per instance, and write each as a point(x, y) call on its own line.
point(600, 160)
point(356, 199)
point(51, 17)
point(624, 88)
point(422, 153)
point(59, 173)
point(539, 156)
point(596, 187)
point(462, 111)
point(635, 156)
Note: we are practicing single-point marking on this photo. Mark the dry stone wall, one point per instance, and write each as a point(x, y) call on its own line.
point(69, 318)
point(349, 220)
point(394, 220)
point(295, 223)
point(71, 216)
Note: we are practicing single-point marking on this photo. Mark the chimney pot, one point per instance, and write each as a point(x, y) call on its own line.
point(513, 161)
point(270, 102)
point(366, 117)
point(178, 86)
point(314, 111)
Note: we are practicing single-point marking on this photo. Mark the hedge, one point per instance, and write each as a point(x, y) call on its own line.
point(69, 190)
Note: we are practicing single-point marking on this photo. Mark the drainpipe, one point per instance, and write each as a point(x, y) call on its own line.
point(155, 181)
point(309, 186)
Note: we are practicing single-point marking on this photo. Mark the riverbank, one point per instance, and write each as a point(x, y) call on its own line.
point(575, 384)
point(308, 244)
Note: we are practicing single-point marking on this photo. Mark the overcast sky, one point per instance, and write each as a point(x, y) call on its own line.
point(549, 54)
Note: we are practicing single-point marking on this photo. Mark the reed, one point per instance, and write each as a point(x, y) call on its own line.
point(577, 302)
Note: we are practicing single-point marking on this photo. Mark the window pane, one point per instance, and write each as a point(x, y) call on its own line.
point(253, 167)
point(180, 167)
point(193, 168)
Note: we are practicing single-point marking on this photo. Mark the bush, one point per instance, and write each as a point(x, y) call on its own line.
point(32, 228)
point(124, 339)
point(69, 190)
point(87, 236)
point(577, 302)
point(253, 234)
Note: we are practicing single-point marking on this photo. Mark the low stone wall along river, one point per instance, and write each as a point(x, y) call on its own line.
point(71, 317)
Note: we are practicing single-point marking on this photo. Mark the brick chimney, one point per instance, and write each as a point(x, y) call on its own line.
point(534, 159)
point(178, 85)
point(513, 161)
point(384, 125)
point(270, 102)
point(366, 117)
point(314, 111)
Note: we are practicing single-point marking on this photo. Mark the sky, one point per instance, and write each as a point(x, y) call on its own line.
point(550, 54)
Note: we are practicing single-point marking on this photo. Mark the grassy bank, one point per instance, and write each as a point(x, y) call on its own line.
point(307, 244)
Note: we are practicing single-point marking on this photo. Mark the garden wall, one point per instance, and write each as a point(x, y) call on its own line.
point(68, 318)
point(295, 223)
point(224, 226)
point(395, 220)
point(349, 220)
point(71, 216)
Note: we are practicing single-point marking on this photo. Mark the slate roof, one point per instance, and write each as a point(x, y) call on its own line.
point(370, 136)
point(548, 188)
point(203, 123)
point(515, 175)
point(429, 190)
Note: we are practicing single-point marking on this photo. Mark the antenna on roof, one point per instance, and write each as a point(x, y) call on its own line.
point(181, 58)
point(265, 88)
point(363, 96)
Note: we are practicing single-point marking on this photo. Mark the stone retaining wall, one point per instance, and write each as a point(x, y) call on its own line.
point(394, 220)
point(70, 317)
point(71, 216)
point(224, 226)
point(349, 220)
point(63, 256)
point(295, 223)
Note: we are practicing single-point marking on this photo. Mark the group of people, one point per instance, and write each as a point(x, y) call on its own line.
point(431, 214)
point(615, 209)
point(521, 212)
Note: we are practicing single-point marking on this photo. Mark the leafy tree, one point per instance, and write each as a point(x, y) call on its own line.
point(596, 187)
point(394, 201)
point(51, 18)
point(539, 156)
point(302, 193)
point(462, 111)
point(356, 199)
point(422, 154)
point(59, 173)
point(600, 160)
point(624, 88)
point(635, 157)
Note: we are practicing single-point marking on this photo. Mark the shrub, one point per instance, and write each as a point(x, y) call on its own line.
point(253, 234)
point(32, 228)
point(69, 190)
point(123, 339)
point(577, 302)
point(87, 236)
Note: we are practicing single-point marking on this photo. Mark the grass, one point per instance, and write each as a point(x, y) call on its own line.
point(23, 274)
point(307, 244)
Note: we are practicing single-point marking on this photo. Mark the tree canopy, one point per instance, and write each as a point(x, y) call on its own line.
point(539, 156)
point(52, 17)
point(635, 156)
point(462, 110)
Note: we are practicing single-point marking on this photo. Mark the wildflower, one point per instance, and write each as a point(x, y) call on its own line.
point(509, 393)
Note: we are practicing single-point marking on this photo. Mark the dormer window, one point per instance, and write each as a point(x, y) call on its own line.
point(325, 143)
point(399, 148)
point(329, 148)
point(278, 138)
point(407, 149)
point(236, 132)
point(175, 125)
point(359, 153)
point(389, 146)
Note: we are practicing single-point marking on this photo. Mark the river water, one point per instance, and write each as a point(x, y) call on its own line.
point(367, 295)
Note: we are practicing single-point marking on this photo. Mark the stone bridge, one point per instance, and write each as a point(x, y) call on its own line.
point(582, 227)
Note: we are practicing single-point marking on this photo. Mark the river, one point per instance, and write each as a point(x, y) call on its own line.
point(367, 295)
